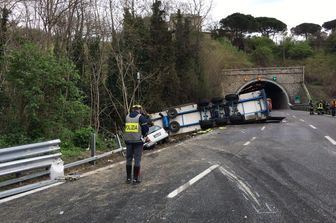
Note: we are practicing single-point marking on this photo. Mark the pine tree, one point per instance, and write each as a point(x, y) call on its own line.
point(166, 84)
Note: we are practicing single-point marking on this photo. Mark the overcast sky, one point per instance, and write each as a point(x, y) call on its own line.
point(291, 12)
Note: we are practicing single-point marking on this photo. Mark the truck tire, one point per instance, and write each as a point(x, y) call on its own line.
point(203, 103)
point(172, 113)
point(221, 121)
point(236, 119)
point(226, 109)
point(217, 100)
point(206, 124)
point(231, 97)
point(174, 126)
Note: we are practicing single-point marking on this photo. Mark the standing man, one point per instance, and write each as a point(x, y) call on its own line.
point(333, 107)
point(311, 107)
point(136, 128)
point(320, 108)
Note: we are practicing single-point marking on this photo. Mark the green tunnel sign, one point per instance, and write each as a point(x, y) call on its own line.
point(297, 99)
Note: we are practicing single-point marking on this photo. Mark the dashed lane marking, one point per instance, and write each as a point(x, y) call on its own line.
point(313, 127)
point(294, 116)
point(302, 120)
point(331, 140)
point(263, 128)
point(192, 181)
point(247, 143)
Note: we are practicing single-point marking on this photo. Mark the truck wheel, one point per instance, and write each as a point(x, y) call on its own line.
point(226, 110)
point(206, 124)
point(217, 100)
point(172, 113)
point(174, 126)
point(231, 97)
point(221, 121)
point(203, 103)
point(236, 119)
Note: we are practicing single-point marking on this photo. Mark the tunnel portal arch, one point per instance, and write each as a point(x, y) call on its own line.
point(274, 90)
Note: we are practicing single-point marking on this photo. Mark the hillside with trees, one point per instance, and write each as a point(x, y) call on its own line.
point(70, 68)
point(267, 42)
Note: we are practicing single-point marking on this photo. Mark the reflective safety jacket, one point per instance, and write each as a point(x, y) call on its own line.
point(133, 129)
point(320, 106)
point(333, 104)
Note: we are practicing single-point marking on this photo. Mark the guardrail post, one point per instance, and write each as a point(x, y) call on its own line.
point(93, 147)
point(120, 146)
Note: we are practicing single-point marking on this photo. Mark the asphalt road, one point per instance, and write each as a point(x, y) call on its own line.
point(274, 172)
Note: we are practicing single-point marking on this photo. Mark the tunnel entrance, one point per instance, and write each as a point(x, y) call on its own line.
point(273, 90)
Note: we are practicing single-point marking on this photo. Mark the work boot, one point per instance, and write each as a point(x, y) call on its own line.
point(136, 173)
point(128, 174)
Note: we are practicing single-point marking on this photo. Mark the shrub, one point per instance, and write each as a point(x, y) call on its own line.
point(300, 50)
point(262, 56)
point(82, 137)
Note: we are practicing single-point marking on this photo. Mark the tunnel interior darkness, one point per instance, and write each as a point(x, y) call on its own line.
point(278, 96)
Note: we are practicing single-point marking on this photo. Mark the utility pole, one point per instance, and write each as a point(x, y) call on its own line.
point(138, 78)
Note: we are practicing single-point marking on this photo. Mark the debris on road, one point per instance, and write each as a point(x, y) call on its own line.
point(204, 131)
point(70, 177)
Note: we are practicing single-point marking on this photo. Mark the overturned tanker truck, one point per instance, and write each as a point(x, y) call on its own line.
point(233, 109)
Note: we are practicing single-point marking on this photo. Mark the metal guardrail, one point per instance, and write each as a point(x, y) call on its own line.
point(19, 152)
point(26, 188)
point(21, 158)
point(300, 107)
point(88, 160)
point(27, 157)
point(27, 164)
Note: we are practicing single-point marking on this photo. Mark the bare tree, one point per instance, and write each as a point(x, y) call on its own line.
point(200, 9)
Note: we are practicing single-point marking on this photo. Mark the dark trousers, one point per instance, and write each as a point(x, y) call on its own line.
point(134, 150)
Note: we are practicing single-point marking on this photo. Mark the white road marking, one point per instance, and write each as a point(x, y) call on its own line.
point(331, 140)
point(157, 151)
point(102, 169)
point(284, 121)
point(192, 181)
point(247, 143)
point(313, 127)
point(263, 128)
point(302, 120)
point(294, 116)
point(29, 192)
